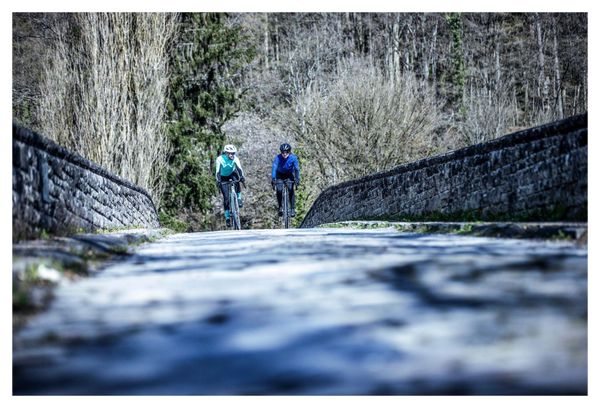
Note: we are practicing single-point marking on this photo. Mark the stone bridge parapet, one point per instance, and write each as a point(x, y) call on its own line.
point(538, 174)
point(60, 192)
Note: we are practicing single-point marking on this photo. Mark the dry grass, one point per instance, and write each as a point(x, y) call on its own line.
point(104, 92)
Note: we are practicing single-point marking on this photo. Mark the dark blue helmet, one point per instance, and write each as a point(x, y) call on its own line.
point(285, 147)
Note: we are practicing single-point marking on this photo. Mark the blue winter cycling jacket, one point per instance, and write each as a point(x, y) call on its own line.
point(286, 167)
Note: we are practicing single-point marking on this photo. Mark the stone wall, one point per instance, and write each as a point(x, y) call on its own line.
point(59, 192)
point(538, 174)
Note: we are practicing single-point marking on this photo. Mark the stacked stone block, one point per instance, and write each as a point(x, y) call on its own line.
point(59, 192)
point(538, 174)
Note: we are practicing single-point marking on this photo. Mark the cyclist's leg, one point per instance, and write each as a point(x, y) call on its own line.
point(279, 191)
point(225, 191)
point(238, 190)
point(234, 207)
point(292, 197)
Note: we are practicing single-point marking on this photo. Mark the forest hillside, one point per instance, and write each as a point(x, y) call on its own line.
point(153, 97)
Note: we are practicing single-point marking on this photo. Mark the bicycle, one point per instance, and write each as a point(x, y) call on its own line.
point(285, 200)
point(234, 207)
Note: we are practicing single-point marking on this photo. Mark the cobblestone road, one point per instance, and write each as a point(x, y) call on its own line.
point(317, 311)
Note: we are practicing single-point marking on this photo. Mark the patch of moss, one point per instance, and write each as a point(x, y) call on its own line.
point(20, 299)
point(120, 250)
point(561, 236)
point(31, 273)
point(117, 229)
point(466, 229)
point(24, 283)
point(332, 225)
point(172, 222)
point(357, 225)
point(556, 213)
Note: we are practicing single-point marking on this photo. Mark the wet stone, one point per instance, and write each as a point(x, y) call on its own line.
point(317, 312)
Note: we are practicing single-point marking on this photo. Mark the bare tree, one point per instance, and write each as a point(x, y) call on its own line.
point(557, 85)
point(338, 75)
point(365, 124)
point(489, 114)
point(103, 93)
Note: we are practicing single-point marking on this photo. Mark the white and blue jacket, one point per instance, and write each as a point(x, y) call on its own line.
point(226, 167)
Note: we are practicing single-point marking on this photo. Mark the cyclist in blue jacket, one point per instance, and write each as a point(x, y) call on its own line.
point(285, 167)
point(228, 167)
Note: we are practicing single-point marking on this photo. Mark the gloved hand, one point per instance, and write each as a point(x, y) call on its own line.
point(219, 183)
point(273, 184)
point(297, 183)
point(243, 179)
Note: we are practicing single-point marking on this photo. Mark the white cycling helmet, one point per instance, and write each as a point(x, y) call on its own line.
point(229, 148)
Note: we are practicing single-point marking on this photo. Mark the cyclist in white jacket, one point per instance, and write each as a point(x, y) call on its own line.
point(229, 168)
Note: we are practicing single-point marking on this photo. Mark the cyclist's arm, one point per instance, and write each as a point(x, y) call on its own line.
point(218, 169)
point(274, 167)
point(297, 170)
point(236, 160)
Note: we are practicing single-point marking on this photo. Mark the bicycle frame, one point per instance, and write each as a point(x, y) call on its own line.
point(285, 200)
point(234, 208)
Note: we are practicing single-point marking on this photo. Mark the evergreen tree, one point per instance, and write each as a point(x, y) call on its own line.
point(457, 63)
point(207, 60)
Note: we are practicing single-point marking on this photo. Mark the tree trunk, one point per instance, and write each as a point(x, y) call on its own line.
point(433, 52)
point(266, 40)
point(497, 55)
point(395, 49)
point(540, 45)
point(557, 80)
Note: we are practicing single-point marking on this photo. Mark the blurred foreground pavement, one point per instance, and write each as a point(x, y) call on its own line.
point(319, 312)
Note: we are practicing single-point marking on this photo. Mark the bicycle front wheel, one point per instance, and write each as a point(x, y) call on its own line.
point(286, 207)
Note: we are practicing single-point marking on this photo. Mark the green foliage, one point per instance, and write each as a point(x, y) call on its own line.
point(22, 113)
point(31, 272)
point(172, 222)
point(457, 67)
point(466, 229)
point(110, 230)
point(206, 58)
point(556, 214)
point(561, 236)
point(302, 194)
point(20, 299)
